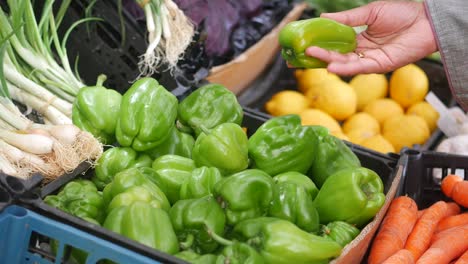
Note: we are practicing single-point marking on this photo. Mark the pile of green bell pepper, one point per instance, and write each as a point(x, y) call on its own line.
point(187, 180)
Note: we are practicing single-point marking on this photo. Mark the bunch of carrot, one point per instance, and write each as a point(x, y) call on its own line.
point(437, 234)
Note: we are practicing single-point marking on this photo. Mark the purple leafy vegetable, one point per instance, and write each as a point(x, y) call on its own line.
point(134, 9)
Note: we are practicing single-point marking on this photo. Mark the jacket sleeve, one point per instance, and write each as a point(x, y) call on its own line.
point(449, 19)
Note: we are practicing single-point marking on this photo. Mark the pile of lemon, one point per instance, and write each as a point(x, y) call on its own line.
point(370, 110)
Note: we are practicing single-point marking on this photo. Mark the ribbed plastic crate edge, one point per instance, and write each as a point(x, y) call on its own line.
point(21, 228)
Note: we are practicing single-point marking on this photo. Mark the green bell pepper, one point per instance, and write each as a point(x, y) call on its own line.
point(178, 143)
point(115, 160)
point(332, 156)
point(240, 253)
point(299, 179)
point(80, 198)
point(194, 219)
point(200, 183)
point(282, 144)
point(244, 195)
point(280, 241)
point(133, 194)
point(96, 110)
point(341, 232)
point(144, 223)
point(125, 180)
point(209, 106)
point(194, 258)
point(352, 195)
point(224, 147)
point(292, 202)
point(325, 33)
point(147, 115)
point(171, 172)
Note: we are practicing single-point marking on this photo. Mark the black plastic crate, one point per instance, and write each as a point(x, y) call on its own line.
point(103, 48)
point(387, 166)
point(279, 77)
point(424, 171)
point(5, 197)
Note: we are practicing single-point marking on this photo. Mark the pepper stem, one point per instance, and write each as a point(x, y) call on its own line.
point(188, 242)
point(204, 129)
point(101, 79)
point(219, 239)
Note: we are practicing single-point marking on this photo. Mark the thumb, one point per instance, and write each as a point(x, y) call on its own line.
point(359, 16)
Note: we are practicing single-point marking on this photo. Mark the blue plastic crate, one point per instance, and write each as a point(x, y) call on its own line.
point(21, 233)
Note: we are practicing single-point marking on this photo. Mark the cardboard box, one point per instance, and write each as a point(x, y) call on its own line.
point(237, 74)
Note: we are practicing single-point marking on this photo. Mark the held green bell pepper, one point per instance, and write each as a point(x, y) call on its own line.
point(147, 115)
point(299, 179)
point(96, 110)
point(332, 156)
point(194, 258)
point(209, 106)
point(244, 195)
point(200, 183)
point(325, 33)
point(193, 219)
point(79, 198)
point(171, 172)
point(125, 180)
point(280, 241)
point(282, 144)
point(341, 232)
point(115, 160)
point(178, 143)
point(144, 223)
point(352, 195)
point(292, 202)
point(224, 147)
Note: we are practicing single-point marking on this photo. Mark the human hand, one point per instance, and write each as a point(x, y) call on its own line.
point(398, 33)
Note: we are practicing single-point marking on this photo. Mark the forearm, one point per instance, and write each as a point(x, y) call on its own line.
point(449, 19)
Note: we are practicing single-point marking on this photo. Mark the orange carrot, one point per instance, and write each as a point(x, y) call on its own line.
point(394, 230)
point(448, 183)
point(460, 193)
point(463, 259)
point(452, 221)
point(403, 256)
point(453, 208)
point(421, 212)
point(420, 238)
point(448, 247)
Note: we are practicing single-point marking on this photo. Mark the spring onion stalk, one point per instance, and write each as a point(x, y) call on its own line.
point(7, 168)
point(36, 59)
point(35, 71)
point(51, 113)
point(169, 34)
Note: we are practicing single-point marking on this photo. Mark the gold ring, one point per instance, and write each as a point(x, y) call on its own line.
point(360, 55)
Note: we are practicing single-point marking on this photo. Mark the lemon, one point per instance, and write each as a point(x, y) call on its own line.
point(378, 143)
point(341, 135)
point(405, 131)
point(359, 135)
point(383, 108)
point(309, 78)
point(369, 87)
point(427, 112)
point(315, 117)
point(335, 97)
point(408, 85)
point(287, 102)
point(361, 120)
